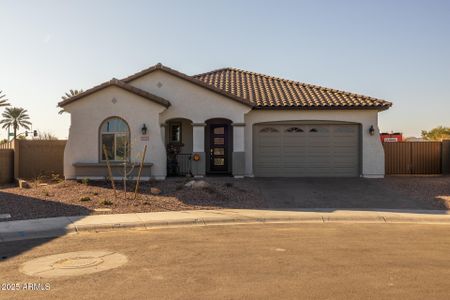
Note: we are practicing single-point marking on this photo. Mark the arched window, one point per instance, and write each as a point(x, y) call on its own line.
point(115, 136)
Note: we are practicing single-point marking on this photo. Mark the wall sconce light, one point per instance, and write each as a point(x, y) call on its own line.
point(371, 130)
point(144, 129)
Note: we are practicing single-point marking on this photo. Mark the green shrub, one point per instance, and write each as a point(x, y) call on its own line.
point(85, 199)
point(106, 202)
point(85, 181)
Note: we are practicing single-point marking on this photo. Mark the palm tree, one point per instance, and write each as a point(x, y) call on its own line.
point(15, 117)
point(3, 100)
point(68, 95)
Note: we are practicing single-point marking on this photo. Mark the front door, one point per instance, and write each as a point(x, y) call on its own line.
point(218, 148)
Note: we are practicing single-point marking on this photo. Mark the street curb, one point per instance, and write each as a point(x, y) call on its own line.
point(73, 225)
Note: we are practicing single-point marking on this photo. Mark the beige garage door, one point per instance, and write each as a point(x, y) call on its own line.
point(306, 150)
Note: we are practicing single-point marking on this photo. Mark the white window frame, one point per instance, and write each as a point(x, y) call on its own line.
point(115, 134)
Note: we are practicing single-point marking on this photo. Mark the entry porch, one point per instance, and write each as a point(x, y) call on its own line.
point(214, 147)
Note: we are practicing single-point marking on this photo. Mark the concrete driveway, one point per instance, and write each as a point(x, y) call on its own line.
point(425, 192)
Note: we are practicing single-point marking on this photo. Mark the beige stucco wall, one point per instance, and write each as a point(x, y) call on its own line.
point(88, 113)
point(372, 149)
point(189, 100)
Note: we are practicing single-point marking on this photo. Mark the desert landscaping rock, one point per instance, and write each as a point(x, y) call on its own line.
point(73, 264)
point(155, 191)
point(63, 198)
point(197, 184)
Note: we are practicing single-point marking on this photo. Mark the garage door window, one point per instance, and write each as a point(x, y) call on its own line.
point(294, 129)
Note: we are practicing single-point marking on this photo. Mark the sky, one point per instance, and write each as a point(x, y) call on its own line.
point(394, 50)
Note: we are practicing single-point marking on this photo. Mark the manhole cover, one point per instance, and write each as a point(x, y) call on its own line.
point(78, 262)
point(73, 263)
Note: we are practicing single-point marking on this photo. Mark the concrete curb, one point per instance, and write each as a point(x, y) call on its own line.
point(59, 226)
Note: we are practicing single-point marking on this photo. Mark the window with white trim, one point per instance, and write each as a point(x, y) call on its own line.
point(114, 136)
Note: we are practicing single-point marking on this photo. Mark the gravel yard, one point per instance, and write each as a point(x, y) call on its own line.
point(68, 198)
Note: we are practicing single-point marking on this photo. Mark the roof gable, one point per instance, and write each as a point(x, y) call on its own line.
point(122, 85)
point(191, 79)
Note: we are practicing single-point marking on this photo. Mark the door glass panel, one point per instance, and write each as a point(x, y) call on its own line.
point(219, 141)
point(108, 141)
point(219, 161)
point(219, 130)
point(219, 151)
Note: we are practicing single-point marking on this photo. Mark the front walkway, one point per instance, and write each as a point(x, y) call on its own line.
point(59, 226)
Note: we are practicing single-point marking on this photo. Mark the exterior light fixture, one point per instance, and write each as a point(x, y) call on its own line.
point(144, 129)
point(371, 130)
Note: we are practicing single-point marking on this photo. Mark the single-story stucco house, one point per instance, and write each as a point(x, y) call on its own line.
point(226, 121)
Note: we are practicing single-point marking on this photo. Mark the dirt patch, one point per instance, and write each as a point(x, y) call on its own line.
point(69, 198)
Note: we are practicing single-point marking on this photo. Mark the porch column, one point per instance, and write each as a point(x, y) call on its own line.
point(198, 149)
point(238, 170)
point(163, 133)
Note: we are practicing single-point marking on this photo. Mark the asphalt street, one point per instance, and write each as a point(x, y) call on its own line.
point(262, 261)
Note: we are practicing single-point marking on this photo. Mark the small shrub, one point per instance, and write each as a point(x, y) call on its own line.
point(106, 202)
point(38, 179)
point(85, 199)
point(229, 184)
point(95, 193)
point(179, 187)
point(46, 193)
point(85, 181)
point(55, 178)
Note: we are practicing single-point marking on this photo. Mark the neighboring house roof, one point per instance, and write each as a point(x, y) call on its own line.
point(122, 85)
point(191, 79)
point(272, 92)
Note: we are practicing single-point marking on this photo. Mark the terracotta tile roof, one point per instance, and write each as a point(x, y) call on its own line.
point(120, 84)
point(272, 92)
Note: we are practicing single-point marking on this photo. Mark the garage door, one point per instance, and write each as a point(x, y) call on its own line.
point(306, 150)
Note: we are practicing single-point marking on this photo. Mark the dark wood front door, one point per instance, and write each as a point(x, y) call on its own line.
point(218, 148)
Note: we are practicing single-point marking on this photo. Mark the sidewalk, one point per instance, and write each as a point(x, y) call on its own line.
point(54, 227)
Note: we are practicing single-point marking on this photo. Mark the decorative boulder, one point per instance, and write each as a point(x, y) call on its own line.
point(155, 191)
point(201, 184)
